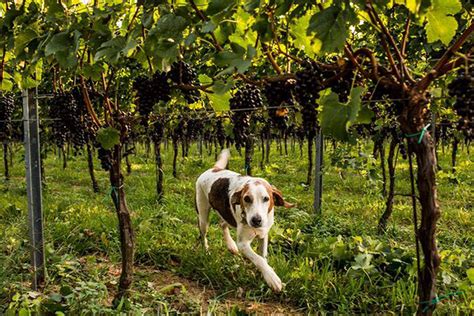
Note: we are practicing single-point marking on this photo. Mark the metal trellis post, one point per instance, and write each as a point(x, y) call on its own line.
point(33, 186)
point(318, 174)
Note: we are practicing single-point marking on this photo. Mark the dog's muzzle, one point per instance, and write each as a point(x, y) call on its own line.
point(256, 221)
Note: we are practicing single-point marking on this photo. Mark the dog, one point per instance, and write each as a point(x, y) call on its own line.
point(244, 202)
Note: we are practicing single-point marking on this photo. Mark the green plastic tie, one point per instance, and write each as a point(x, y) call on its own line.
point(438, 299)
point(420, 133)
point(111, 190)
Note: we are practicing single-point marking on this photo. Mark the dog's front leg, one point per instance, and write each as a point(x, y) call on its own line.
point(263, 246)
point(228, 239)
point(269, 275)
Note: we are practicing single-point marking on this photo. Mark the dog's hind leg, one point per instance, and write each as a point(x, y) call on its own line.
point(231, 245)
point(203, 207)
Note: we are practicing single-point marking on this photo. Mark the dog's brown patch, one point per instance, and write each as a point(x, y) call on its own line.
point(238, 197)
point(219, 200)
point(276, 197)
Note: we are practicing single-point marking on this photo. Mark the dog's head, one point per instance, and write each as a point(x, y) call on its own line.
point(257, 198)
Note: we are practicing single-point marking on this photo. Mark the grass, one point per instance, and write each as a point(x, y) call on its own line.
point(333, 263)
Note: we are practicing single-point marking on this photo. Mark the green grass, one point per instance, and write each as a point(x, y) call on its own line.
point(334, 263)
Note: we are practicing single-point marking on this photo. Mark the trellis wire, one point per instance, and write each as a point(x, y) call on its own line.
point(249, 109)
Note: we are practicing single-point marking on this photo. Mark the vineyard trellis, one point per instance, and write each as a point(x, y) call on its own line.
point(34, 188)
point(131, 68)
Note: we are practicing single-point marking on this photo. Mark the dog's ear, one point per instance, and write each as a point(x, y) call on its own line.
point(235, 199)
point(279, 200)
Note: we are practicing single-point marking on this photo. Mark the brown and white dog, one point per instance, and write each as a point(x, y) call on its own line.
point(244, 202)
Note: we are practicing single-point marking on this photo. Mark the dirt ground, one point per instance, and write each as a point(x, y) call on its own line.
point(180, 290)
point(206, 296)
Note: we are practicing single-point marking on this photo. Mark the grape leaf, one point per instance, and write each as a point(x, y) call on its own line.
point(362, 261)
point(220, 102)
point(331, 26)
point(441, 26)
point(24, 38)
point(308, 44)
point(204, 79)
point(336, 117)
point(218, 6)
point(208, 26)
point(169, 26)
point(412, 5)
point(108, 137)
point(59, 42)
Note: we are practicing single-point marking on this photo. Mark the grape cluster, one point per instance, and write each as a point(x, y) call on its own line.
point(7, 105)
point(105, 157)
point(150, 91)
point(219, 132)
point(194, 127)
point(309, 82)
point(462, 88)
point(246, 97)
point(88, 126)
point(67, 120)
point(157, 131)
point(183, 73)
point(278, 95)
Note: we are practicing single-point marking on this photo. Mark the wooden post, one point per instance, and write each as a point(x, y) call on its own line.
point(33, 187)
point(318, 174)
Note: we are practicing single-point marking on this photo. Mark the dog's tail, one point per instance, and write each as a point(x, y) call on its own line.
point(223, 159)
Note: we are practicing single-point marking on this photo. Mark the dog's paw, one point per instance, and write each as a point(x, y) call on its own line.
point(273, 281)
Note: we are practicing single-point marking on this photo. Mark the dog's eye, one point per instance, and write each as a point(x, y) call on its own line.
point(266, 198)
point(248, 199)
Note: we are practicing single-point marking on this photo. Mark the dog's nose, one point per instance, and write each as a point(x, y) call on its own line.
point(256, 221)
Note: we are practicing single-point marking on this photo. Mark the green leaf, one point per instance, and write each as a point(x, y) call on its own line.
point(251, 5)
point(233, 61)
point(331, 26)
point(56, 297)
point(108, 137)
point(218, 6)
point(470, 274)
point(24, 38)
point(59, 42)
point(190, 39)
point(309, 44)
point(336, 117)
point(111, 49)
point(55, 9)
point(365, 115)
point(204, 79)
point(412, 5)
point(208, 26)
point(220, 97)
point(219, 102)
point(66, 290)
point(263, 27)
point(441, 26)
point(169, 26)
point(221, 87)
point(23, 312)
point(6, 85)
point(129, 47)
point(362, 261)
